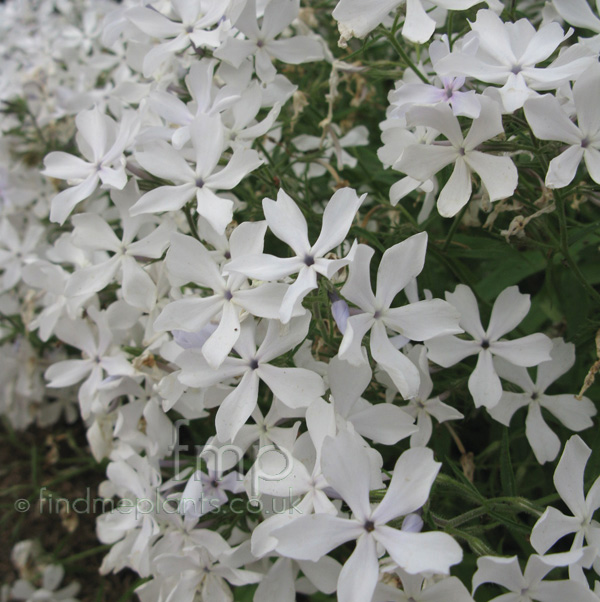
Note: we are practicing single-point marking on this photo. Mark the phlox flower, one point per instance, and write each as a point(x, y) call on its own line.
point(416, 321)
point(549, 121)
point(422, 161)
point(509, 309)
point(508, 53)
point(102, 142)
point(261, 44)
point(200, 182)
point(288, 223)
point(575, 414)
point(346, 468)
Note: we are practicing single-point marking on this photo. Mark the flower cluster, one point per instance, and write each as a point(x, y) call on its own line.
point(180, 260)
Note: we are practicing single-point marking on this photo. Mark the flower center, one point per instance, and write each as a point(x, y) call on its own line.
point(253, 364)
point(485, 344)
point(369, 526)
point(309, 260)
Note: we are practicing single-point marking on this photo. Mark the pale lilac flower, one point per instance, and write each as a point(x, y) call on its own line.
point(509, 310)
point(575, 414)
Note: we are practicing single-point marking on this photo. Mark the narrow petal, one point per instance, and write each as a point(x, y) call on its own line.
point(541, 437)
point(510, 307)
point(423, 320)
point(465, 302)
point(311, 537)
point(305, 282)
point(164, 198)
point(216, 210)
point(188, 260)
point(356, 328)
point(447, 351)
point(484, 383)
point(499, 175)
point(526, 351)
point(568, 477)
point(357, 288)
point(164, 161)
point(139, 289)
point(337, 219)
point(575, 414)
point(189, 315)
point(457, 191)
point(295, 387)
point(552, 526)
point(420, 552)
point(346, 466)
point(296, 50)
point(401, 370)
point(509, 403)
point(562, 169)
point(549, 121)
point(360, 573)
point(414, 474)
point(65, 201)
point(418, 25)
point(236, 408)
point(399, 265)
point(222, 340)
point(287, 222)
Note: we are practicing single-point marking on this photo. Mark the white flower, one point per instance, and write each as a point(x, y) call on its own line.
point(574, 413)
point(509, 309)
point(102, 142)
point(529, 586)
point(346, 467)
point(200, 25)
point(188, 261)
point(162, 160)
point(554, 524)
point(549, 121)
point(422, 407)
point(295, 387)
point(422, 161)
point(356, 18)
point(91, 232)
point(100, 357)
point(508, 54)
point(416, 321)
point(287, 223)
point(260, 41)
